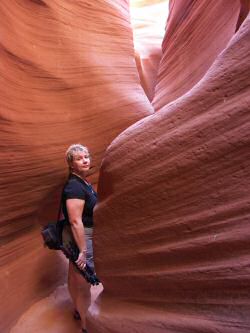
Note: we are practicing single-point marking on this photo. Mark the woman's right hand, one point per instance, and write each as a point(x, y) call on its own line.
point(81, 261)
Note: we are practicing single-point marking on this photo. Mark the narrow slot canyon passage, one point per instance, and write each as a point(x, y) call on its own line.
point(148, 19)
point(159, 91)
point(54, 313)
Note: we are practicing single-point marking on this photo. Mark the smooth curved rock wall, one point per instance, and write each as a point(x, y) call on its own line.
point(197, 31)
point(172, 224)
point(68, 75)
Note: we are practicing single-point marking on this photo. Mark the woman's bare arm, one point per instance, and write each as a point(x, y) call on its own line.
point(75, 209)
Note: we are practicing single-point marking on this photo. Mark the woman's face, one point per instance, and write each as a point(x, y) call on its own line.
point(81, 162)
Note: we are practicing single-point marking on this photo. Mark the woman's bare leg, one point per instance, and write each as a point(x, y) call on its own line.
point(71, 284)
point(79, 291)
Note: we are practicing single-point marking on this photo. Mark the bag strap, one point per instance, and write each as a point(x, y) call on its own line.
point(60, 211)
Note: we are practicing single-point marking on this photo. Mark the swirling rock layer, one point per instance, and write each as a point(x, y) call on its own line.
point(197, 31)
point(68, 75)
point(172, 232)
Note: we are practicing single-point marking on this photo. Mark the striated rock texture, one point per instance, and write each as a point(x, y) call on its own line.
point(68, 75)
point(172, 224)
point(197, 31)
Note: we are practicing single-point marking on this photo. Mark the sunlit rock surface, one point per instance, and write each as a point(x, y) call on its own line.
point(148, 19)
point(68, 74)
point(172, 224)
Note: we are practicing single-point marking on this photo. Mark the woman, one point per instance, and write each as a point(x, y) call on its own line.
point(78, 201)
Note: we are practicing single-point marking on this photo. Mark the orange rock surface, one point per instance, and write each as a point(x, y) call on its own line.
point(172, 224)
point(68, 75)
point(52, 314)
point(197, 31)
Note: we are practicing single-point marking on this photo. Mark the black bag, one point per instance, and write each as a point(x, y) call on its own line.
point(52, 235)
point(58, 236)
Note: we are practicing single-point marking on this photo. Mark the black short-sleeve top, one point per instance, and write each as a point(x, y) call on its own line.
point(76, 188)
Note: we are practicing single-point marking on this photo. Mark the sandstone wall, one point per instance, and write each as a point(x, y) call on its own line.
point(68, 75)
point(172, 224)
point(197, 31)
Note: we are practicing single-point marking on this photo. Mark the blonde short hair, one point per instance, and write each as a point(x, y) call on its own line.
point(72, 150)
